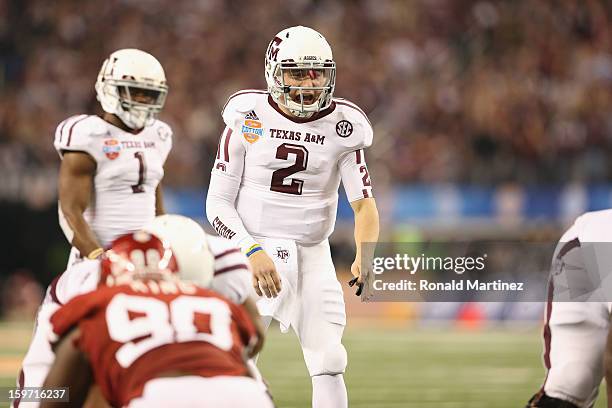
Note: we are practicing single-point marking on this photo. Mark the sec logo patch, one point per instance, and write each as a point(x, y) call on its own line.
point(163, 133)
point(344, 128)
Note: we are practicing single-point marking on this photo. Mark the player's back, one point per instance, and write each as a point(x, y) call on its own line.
point(132, 334)
point(129, 168)
point(291, 175)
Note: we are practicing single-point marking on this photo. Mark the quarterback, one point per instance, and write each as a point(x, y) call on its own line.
point(109, 182)
point(274, 193)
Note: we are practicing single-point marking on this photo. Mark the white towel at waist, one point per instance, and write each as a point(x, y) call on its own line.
point(284, 254)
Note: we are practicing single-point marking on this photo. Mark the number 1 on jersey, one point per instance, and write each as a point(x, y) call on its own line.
point(142, 171)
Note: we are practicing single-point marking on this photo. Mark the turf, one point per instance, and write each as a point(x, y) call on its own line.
point(388, 367)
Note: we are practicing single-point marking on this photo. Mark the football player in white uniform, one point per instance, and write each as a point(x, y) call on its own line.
point(191, 246)
point(578, 314)
point(109, 182)
point(274, 193)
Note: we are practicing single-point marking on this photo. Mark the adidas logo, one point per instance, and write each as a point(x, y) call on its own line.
point(251, 115)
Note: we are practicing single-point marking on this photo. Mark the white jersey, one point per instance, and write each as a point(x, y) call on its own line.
point(128, 169)
point(592, 226)
point(278, 176)
point(232, 276)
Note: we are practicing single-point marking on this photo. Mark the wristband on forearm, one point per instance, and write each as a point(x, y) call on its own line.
point(253, 249)
point(95, 253)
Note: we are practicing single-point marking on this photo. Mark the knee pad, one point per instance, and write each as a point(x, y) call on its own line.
point(330, 361)
point(541, 400)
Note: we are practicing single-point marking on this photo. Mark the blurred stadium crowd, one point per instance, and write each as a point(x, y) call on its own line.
point(459, 91)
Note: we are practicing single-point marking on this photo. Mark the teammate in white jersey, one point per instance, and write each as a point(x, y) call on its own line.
point(191, 247)
point(274, 192)
point(109, 182)
point(578, 314)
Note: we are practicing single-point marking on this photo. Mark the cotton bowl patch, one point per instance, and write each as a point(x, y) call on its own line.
point(111, 148)
point(252, 130)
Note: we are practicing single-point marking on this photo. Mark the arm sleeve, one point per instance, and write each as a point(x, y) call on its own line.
point(355, 175)
point(225, 180)
point(71, 135)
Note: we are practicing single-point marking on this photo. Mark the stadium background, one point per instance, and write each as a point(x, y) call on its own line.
point(491, 118)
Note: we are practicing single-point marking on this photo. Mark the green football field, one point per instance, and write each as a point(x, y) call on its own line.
point(389, 367)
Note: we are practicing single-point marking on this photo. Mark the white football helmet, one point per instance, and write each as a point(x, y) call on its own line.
point(125, 74)
point(300, 54)
point(188, 242)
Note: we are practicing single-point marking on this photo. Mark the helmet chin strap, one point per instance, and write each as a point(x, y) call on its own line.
point(296, 108)
point(134, 119)
point(301, 114)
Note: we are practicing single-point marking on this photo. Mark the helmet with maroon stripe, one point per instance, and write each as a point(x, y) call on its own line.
point(300, 71)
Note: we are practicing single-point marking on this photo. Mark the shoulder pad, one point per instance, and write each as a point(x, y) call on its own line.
point(592, 226)
point(164, 131)
point(78, 133)
point(353, 127)
point(164, 134)
point(239, 104)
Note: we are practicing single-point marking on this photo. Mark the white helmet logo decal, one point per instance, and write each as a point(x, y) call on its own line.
point(273, 49)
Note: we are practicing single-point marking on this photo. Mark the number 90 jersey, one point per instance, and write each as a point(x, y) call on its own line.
point(288, 169)
point(134, 333)
point(128, 169)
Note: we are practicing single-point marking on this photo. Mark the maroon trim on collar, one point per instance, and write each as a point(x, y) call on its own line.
point(314, 117)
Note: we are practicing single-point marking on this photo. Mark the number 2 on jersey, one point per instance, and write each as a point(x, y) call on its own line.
point(142, 171)
point(279, 176)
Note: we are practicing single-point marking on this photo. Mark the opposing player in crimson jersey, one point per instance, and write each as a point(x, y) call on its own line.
point(274, 193)
point(109, 181)
point(148, 339)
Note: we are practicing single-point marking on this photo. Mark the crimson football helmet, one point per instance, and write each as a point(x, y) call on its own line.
point(139, 255)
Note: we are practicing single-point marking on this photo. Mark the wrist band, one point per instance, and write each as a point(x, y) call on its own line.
point(253, 249)
point(95, 253)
